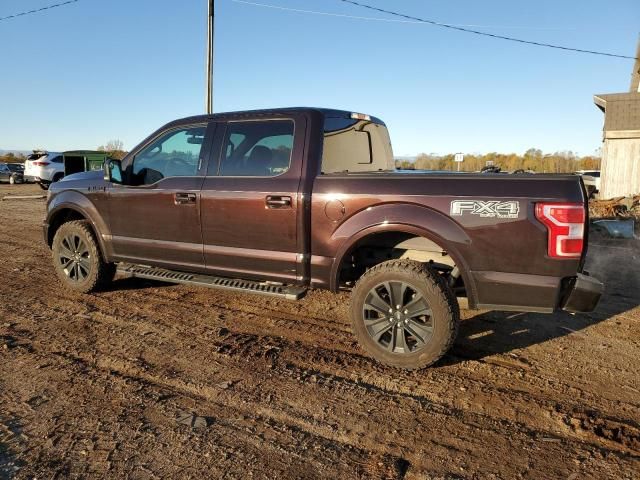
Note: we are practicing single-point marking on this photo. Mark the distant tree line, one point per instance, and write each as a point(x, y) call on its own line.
point(532, 160)
point(12, 158)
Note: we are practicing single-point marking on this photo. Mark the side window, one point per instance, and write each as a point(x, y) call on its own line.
point(174, 154)
point(57, 159)
point(257, 149)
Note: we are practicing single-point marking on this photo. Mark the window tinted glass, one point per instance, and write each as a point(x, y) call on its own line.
point(57, 159)
point(175, 154)
point(257, 149)
point(352, 145)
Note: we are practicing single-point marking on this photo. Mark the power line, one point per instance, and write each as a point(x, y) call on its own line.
point(485, 34)
point(378, 19)
point(48, 7)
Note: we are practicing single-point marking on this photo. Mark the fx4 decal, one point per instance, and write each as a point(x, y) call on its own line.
point(489, 209)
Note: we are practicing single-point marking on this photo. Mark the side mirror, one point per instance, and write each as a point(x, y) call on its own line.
point(113, 170)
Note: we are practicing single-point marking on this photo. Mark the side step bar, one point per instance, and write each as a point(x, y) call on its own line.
point(287, 292)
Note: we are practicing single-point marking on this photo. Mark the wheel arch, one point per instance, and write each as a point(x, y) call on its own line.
point(76, 207)
point(422, 239)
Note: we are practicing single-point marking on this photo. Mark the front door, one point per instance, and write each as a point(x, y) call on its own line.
point(250, 200)
point(155, 214)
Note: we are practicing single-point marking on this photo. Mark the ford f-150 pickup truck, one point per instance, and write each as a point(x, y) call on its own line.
point(278, 201)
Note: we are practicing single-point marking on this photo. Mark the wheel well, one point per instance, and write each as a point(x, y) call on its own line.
point(60, 218)
point(380, 247)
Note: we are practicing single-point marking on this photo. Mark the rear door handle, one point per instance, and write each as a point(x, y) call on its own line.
point(277, 201)
point(184, 198)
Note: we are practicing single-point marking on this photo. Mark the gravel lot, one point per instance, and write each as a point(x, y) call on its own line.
point(150, 380)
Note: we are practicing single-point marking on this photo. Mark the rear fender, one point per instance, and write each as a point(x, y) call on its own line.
point(406, 218)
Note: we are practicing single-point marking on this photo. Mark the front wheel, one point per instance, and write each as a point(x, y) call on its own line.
point(12, 180)
point(404, 314)
point(77, 259)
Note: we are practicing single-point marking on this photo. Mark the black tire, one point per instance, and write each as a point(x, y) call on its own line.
point(418, 333)
point(44, 186)
point(57, 177)
point(77, 259)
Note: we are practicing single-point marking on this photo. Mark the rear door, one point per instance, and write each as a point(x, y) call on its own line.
point(155, 215)
point(251, 202)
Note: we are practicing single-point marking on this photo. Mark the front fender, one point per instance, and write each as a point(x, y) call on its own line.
point(407, 218)
point(77, 202)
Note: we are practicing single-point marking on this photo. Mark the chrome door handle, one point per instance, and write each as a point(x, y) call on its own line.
point(184, 198)
point(276, 201)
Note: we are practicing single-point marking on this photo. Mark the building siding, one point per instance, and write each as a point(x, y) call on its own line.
point(620, 175)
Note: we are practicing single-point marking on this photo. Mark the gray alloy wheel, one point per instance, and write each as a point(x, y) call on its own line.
point(12, 180)
point(404, 314)
point(77, 259)
point(74, 258)
point(398, 317)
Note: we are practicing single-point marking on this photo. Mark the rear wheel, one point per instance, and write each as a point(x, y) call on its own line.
point(77, 259)
point(44, 185)
point(12, 180)
point(404, 314)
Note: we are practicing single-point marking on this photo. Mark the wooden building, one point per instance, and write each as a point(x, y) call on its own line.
point(620, 170)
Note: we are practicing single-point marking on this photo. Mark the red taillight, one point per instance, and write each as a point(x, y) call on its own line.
point(41, 164)
point(565, 223)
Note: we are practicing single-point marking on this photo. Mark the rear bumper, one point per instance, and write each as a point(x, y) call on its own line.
point(582, 294)
point(536, 293)
point(31, 178)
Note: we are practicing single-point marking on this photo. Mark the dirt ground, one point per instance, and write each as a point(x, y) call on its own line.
point(150, 380)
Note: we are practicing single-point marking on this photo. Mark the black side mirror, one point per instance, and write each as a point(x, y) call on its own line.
point(113, 170)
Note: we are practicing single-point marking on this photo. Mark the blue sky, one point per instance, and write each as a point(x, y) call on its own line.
point(80, 75)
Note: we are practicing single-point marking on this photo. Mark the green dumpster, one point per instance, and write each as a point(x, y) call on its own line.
point(83, 161)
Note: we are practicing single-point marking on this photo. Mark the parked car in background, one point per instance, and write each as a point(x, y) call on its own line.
point(11, 172)
point(591, 179)
point(44, 168)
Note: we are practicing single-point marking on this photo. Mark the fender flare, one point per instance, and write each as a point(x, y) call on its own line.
point(411, 219)
point(75, 201)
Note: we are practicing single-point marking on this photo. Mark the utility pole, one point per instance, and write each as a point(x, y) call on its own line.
point(210, 32)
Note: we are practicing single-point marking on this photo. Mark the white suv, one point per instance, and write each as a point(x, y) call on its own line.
point(43, 168)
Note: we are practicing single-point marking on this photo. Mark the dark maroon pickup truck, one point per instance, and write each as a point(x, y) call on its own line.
point(278, 201)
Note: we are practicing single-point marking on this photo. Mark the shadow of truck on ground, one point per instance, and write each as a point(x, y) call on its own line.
point(615, 262)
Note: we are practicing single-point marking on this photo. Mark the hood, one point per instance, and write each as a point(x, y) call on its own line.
point(90, 175)
point(81, 180)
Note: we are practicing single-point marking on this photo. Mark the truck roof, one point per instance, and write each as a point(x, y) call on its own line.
point(326, 112)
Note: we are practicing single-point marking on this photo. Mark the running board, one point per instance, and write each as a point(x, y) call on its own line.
point(287, 292)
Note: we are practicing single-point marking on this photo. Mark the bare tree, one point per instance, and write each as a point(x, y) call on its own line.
point(114, 148)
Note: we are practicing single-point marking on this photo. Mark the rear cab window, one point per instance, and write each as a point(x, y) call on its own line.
point(356, 145)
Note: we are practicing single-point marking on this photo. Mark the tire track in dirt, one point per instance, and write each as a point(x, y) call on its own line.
point(301, 391)
point(241, 343)
point(250, 346)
